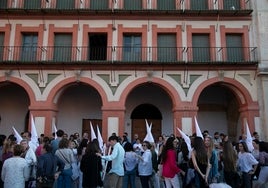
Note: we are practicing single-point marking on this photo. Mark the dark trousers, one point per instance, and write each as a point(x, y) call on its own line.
point(232, 179)
point(145, 181)
point(246, 180)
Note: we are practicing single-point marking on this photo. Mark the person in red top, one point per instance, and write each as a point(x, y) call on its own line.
point(170, 168)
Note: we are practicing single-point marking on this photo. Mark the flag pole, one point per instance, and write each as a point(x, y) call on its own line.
point(106, 164)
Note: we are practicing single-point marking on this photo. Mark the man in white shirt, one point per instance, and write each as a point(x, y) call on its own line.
point(116, 173)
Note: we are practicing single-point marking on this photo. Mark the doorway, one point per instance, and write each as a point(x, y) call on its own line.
point(95, 123)
point(152, 114)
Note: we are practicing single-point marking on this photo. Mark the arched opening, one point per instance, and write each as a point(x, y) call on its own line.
point(219, 111)
point(149, 112)
point(79, 104)
point(14, 108)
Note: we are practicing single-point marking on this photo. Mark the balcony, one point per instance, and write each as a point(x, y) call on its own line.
point(173, 7)
point(78, 55)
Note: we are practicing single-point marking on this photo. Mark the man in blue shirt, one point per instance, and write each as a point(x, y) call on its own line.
point(117, 157)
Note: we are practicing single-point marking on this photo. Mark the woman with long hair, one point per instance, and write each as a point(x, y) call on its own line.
point(200, 162)
point(229, 158)
point(170, 168)
point(183, 161)
point(91, 167)
point(247, 164)
point(213, 160)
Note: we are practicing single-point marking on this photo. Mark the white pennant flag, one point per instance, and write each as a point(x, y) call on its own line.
point(100, 139)
point(249, 138)
point(34, 138)
point(149, 136)
point(17, 135)
point(93, 135)
point(197, 129)
point(55, 130)
point(186, 139)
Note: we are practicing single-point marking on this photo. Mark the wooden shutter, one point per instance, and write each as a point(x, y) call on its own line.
point(166, 48)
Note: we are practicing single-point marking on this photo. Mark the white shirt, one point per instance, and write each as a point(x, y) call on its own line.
point(246, 161)
point(145, 164)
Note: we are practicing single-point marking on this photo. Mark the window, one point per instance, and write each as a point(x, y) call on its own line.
point(32, 4)
point(29, 47)
point(231, 4)
point(98, 4)
point(133, 4)
point(2, 36)
point(65, 4)
point(97, 46)
point(62, 48)
point(166, 4)
point(199, 4)
point(132, 47)
point(234, 47)
point(201, 50)
point(166, 48)
point(3, 4)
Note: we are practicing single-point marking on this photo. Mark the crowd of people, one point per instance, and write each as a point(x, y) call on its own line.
point(74, 162)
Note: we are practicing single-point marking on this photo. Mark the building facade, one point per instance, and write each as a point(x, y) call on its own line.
point(115, 63)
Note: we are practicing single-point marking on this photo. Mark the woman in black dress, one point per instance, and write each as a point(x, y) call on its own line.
point(91, 167)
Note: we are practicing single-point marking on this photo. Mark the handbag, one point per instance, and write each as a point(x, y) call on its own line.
point(75, 171)
point(74, 167)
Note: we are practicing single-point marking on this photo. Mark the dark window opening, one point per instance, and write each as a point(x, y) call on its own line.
point(97, 46)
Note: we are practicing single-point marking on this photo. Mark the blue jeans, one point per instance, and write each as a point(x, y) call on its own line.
point(65, 179)
point(129, 177)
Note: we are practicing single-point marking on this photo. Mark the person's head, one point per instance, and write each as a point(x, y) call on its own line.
point(27, 135)
point(47, 148)
point(60, 133)
point(243, 147)
point(65, 135)
point(146, 145)
point(113, 140)
point(243, 137)
point(64, 143)
point(169, 144)
point(92, 148)
point(136, 136)
point(160, 138)
point(138, 141)
point(256, 144)
point(216, 135)
point(45, 140)
point(256, 135)
point(76, 135)
point(18, 150)
point(208, 142)
point(72, 144)
point(25, 144)
point(8, 146)
point(128, 147)
point(85, 135)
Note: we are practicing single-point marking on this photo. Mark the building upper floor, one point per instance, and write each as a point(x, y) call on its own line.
point(143, 7)
point(119, 43)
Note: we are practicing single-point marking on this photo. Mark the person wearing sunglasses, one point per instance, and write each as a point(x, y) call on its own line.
point(145, 166)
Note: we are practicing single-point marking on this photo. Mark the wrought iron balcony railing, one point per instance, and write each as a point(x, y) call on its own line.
point(127, 55)
point(181, 6)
